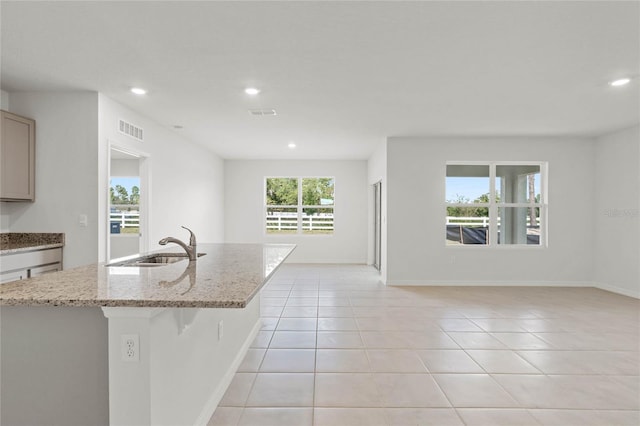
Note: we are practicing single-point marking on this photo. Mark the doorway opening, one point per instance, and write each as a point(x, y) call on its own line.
point(128, 207)
point(377, 224)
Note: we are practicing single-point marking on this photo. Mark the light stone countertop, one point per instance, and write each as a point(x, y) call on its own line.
point(18, 242)
point(15, 248)
point(228, 276)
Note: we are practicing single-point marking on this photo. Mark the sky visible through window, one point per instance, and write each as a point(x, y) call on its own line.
point(472, 187)
point(126, 182)
point(469, 188)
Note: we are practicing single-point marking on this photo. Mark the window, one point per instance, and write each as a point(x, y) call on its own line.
point(299, 205)
point(496, 204)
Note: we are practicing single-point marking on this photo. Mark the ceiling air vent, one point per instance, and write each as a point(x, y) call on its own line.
point(131, 130)
point(262, 112)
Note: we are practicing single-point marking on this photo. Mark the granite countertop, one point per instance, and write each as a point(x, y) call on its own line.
point(228, 276)
point(16, 242)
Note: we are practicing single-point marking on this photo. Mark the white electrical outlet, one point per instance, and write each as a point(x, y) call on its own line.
point(130, 347)
point(220, 330)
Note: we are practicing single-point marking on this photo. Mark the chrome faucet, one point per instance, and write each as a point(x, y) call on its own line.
point(190, 249)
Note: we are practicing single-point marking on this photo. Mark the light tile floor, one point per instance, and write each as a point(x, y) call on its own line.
point(339, 348)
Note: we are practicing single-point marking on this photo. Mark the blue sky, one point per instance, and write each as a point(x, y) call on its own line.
point(127, 182)
point(473, 187)
point(470, 188)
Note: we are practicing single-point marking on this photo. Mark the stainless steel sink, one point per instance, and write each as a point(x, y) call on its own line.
point(157, 259)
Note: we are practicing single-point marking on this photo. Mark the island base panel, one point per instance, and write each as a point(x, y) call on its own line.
point(184, 367)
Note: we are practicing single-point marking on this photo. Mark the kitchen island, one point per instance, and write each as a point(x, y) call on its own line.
point(131, 345)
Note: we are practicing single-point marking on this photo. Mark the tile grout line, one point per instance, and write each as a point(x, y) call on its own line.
point(388, 309)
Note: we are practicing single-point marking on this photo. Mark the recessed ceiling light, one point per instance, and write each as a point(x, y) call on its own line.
point(619, 82)
point(251, 91)
point(291, 145)
point(138, 91)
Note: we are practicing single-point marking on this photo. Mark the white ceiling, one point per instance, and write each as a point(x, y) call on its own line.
point(342, 76)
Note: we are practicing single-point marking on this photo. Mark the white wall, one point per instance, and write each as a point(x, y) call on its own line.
point(124, 168)
point(5, 218)
point(244, 208)
point(186, 180)
point(122, 245)
point(66, 178)
point(73, 131)
point(4, 100)
point(377, 172)
point(55, 366)
point(417, 253)
point(617, 222)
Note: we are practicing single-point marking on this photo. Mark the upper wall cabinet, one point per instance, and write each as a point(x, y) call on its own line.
point(17, 176)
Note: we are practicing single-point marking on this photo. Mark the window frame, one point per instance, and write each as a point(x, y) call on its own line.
point(299, 207)
point(493, 205)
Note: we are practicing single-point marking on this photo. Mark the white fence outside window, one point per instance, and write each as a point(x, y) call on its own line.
point(126, 219)
point(477, 221)
point(289, 222)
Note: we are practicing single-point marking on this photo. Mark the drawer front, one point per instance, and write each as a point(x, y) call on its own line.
point(41, 270)
point(13, 276)
point(30, 259)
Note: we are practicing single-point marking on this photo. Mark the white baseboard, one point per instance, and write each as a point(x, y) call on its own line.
point(488, 283)
point(602, 286)
point(216, 396)
point(619, 290)
point(339, 261)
